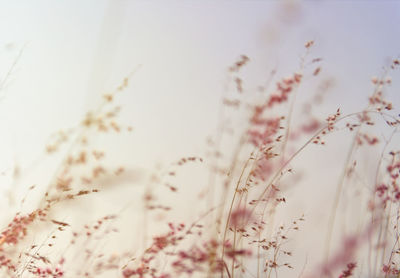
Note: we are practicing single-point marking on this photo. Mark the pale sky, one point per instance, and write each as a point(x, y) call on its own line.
point(73, 52)
point(77, 50)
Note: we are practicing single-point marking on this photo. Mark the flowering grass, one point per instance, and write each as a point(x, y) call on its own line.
point(245, 227)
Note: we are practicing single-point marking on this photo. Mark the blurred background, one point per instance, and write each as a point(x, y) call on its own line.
point(58, 58)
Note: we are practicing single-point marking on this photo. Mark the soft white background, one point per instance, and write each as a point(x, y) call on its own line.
point(75, 51)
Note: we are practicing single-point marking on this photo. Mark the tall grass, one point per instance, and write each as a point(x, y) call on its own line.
point(246, 228)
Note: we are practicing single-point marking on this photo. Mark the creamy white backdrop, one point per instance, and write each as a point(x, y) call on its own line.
point(75, 51)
